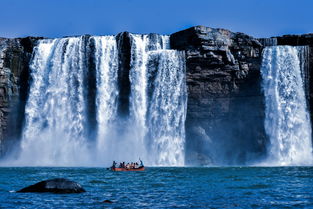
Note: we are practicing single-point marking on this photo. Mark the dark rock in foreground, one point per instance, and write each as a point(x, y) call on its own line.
point(58, 185)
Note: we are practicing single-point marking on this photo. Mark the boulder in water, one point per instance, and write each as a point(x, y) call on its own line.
point(58, 185)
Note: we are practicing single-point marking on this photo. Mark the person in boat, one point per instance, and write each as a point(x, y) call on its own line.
point(141, 163)
point(114, 164)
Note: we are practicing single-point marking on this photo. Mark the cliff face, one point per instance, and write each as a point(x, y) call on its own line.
point(15, 55)
point(225, 115)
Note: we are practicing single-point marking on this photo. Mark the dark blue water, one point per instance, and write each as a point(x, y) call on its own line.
point(238, 187)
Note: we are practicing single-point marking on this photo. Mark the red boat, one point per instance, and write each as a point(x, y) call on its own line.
point(142, 168)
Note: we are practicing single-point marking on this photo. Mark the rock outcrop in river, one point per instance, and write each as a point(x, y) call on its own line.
point(58, 186)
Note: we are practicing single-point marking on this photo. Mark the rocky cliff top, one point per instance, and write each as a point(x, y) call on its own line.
point(200, 35)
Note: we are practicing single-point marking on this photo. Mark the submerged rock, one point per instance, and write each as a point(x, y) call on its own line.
point(58, 185)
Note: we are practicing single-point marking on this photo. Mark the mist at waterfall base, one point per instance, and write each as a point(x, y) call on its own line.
point(70, 123)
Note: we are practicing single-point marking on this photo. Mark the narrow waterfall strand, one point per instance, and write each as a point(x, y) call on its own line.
point(167, 109)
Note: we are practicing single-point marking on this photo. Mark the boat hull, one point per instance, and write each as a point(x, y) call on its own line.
point(128, 169)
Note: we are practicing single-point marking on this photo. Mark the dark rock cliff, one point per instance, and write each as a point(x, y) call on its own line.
point(225, 115)
point(225, 104)
point(124, 55)
point(15, 55)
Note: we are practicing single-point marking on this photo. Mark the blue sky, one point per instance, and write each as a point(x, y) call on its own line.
point(57, 18)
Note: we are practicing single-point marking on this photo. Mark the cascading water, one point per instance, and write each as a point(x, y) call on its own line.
point(303, 54)
point(138, 98)
point(55, 111)
point(141, 45)
point(106, 59)
point(167, 107)
point(287, 121)
point(158, 99)
point(62, 103)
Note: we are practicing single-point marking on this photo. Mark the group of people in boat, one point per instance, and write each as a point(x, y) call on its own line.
point(131, 165)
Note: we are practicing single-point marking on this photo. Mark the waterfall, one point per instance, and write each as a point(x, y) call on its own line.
point(303, 54)
point(138, 98)
point(71, 116)
point(167, 108)
point(106, 59)
point(287, 121)
point(141, 45)
point(158, 99)
point(55, 110)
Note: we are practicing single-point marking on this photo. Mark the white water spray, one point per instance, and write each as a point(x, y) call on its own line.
point(57, 132)
point(55, 111)
point(167, 107)
point(158, 101)
point(106, 57)
point(287, 121)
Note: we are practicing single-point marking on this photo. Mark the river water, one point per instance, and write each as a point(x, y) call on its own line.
point(161, 187)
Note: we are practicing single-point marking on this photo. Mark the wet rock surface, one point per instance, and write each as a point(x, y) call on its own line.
point(224, 95)
point(15, 56)
point(58, 185)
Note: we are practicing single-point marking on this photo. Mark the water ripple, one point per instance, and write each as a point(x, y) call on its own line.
point(281, 187)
